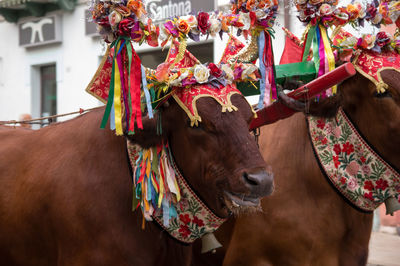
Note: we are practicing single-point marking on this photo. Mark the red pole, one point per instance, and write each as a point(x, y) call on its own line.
point(278, 111)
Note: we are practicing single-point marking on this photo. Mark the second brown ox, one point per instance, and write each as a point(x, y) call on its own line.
point(305, 221)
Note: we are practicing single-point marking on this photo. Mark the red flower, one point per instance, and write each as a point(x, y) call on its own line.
point(336, 161)
point(324, 141)
point(184, 231)
point(184, 218)
point(368, 185)
point(382, 184)
point(203, 22)
point(337, 149)
point(125, 27)
point(348, 148)
point(369, 196)
point(363, 160)
point(198, 221)
point(321, 123)
point(382, 39)
point(215, 70)
point(343, 180)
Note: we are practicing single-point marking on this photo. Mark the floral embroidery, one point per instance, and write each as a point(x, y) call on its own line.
point(193, 219)
point(352, 166)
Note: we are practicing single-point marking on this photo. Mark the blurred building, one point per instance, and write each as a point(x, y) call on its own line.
point(49, 51)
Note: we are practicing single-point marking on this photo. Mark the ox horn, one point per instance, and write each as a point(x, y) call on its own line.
point(209, 243)
point(392, 205)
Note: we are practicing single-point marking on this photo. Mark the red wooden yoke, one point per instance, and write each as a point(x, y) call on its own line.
point(277, 110)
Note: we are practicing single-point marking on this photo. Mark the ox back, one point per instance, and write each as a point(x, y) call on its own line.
point(65, 199)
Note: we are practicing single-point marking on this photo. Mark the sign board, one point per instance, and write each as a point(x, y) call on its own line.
point(40, 31)
point(160, 10)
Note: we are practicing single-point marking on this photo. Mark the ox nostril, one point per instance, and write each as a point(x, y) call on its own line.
point(251, 179)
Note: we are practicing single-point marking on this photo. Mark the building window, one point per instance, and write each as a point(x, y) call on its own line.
point(48, 90)
point(204, 52)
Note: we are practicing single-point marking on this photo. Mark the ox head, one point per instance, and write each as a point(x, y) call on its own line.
point(219, 158)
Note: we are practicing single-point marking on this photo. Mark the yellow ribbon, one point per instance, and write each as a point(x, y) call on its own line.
point(117, 97)
point(328, 53)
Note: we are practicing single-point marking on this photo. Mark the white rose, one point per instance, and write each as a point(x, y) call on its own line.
point(177, 82)
point(260, 14)
point(216, 26)
point(246, 20)
point(163, 34)
point(201, 73)
point(228, 72)
point(114, 18)
point(248, 71)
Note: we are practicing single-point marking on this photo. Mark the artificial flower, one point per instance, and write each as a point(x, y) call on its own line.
point(215, 70)
point(228, 72)
point(137, 32)
point(136, 6)
point(183, 26)
point(246, 20)
point(382, 39)
point(162, 72)
point(215, 27)
point(125, 27)
point(114, 18)
point(249, 72)
point(201, 73)
point(325, 10)
point(203, 22)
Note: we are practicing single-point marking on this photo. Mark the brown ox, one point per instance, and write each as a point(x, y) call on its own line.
point(66, 192)
point(305, 221)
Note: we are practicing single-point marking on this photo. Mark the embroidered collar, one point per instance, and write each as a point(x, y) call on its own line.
point(352, 166)
point(176, 207)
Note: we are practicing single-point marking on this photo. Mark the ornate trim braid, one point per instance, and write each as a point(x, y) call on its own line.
point(176, 207)
point(351, 165)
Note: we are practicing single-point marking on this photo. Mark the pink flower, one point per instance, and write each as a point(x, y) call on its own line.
point(352, 168)
point(352, 184)
point(366, 169)
point(337, 132)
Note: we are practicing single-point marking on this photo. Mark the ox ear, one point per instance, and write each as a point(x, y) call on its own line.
point(150, 135)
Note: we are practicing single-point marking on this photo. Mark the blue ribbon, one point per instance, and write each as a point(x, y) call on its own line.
point(146, 93)
point(261, 46)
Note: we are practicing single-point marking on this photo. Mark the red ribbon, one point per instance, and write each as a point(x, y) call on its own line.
point(135, 78)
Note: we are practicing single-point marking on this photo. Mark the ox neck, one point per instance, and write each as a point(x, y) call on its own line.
point(185, 218)
point(352, 166)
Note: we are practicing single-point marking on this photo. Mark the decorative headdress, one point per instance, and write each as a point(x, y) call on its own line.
point(131, 89)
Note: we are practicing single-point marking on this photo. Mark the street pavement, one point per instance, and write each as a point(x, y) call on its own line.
point(384, 250)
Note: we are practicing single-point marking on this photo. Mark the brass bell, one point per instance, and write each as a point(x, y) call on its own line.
point(209, 243)
point(392, 205)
